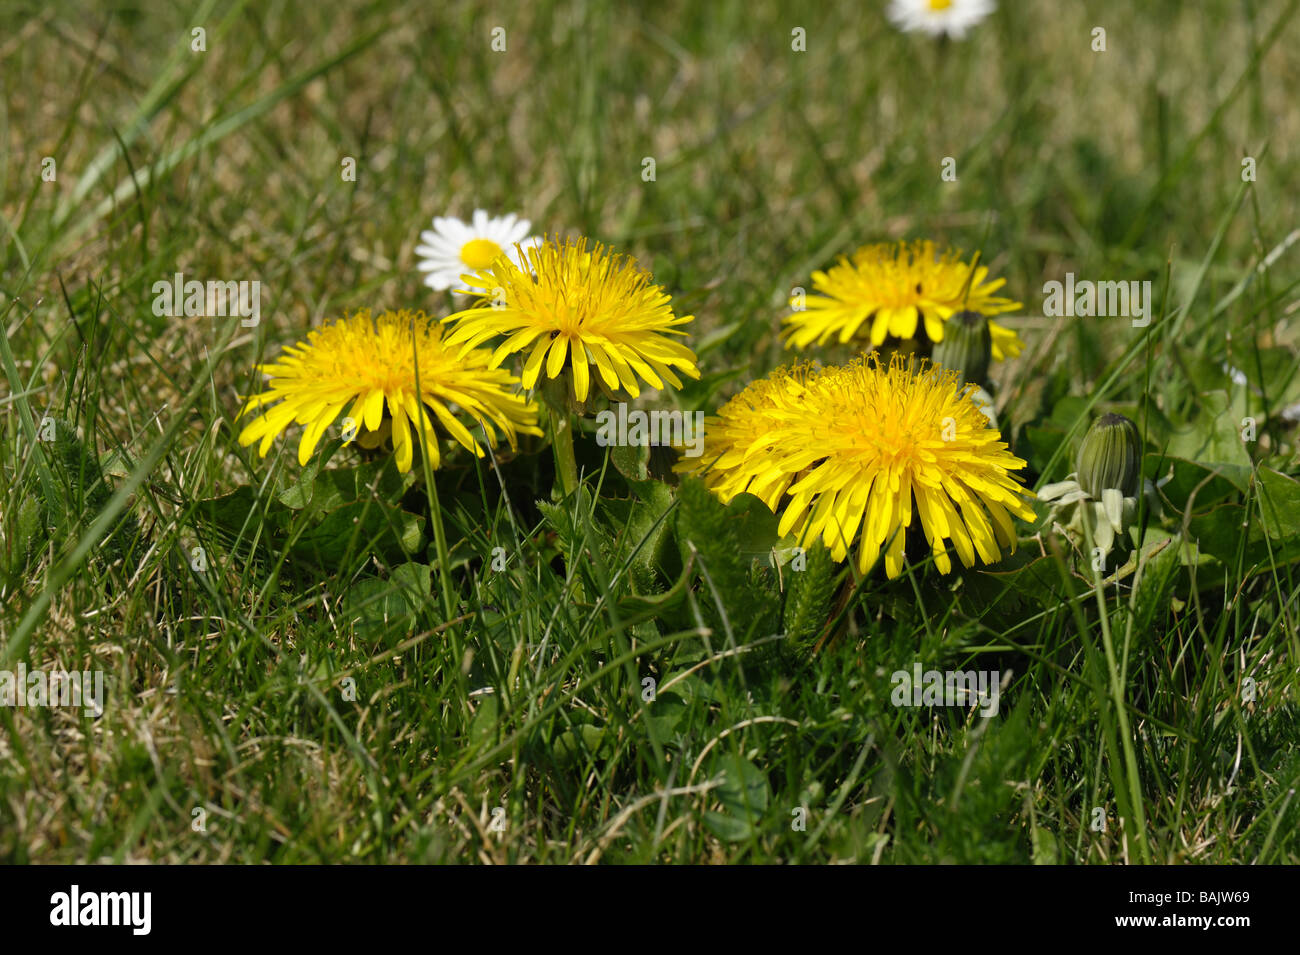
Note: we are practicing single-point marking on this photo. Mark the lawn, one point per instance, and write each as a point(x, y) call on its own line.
point(482, 660)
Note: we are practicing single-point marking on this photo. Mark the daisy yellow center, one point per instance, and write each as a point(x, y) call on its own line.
point(937, 5)
point(479, 253)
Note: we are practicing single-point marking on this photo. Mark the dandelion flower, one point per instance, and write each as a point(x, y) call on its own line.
point(366, 369)
point(870, 449)
point(900, 289)
point(452, 247)
point(576, 308)
point(743, 434)
point(939, 17)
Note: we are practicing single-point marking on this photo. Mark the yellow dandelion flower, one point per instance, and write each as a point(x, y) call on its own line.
point(744, 432)
point(574, 307)
point(368, 367)
point(900, 290)
point(870, 448)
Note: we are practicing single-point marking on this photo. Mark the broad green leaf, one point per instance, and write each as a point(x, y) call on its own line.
point(1212, 483)
point(744, 794)
point(581, 744)
point(1279, 504)
point(1045, 848)
point(1220, 533)
point(379, 609)
point(484, 725)
point(1213, 437)
point(632, 461)
point(362, 527)
point(727, 828)
point(664, 715)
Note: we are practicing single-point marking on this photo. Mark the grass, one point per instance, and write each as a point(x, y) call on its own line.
point(520, 728)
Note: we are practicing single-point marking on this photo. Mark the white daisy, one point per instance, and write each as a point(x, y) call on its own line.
point(936, 17)
point(452, 247)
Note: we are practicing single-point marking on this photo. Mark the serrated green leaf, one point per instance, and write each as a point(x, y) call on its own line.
point(808, 600)
point(639, 528)
point(631, 461)
point(727, 541)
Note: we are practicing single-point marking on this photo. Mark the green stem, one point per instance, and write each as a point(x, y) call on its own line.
point(566, 465)
point(1121, 706)
point(431, 487)
point(440, 542)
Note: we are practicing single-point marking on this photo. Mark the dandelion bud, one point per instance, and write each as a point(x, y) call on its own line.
point(967, 347)
point(1110, 456)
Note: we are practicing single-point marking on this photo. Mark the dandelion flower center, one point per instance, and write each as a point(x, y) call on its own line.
point(479, 253)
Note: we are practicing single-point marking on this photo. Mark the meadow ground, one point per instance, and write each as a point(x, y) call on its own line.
point(297, 690)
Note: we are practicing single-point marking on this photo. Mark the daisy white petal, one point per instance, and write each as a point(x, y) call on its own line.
point(939, 17)
point(453, 247)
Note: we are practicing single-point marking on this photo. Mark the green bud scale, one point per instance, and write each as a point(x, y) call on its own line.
point(1110, 457)
point(967, 347)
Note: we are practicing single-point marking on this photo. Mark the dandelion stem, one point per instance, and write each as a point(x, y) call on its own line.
point(566, 465)
point(1117, 693)
point(435, 505)
point(440, 543)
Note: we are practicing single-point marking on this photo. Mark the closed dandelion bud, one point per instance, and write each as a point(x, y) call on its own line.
point(1110, 457)
point(967, 346)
